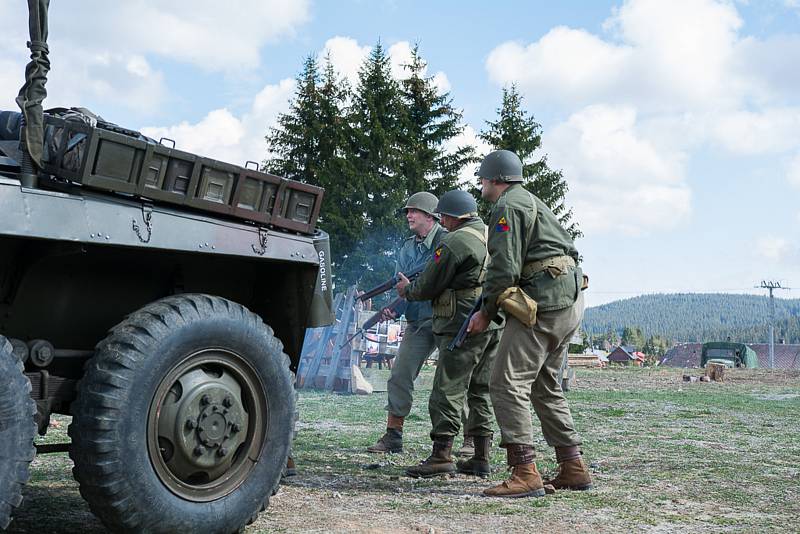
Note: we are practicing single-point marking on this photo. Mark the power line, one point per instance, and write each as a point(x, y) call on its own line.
point(771, 286)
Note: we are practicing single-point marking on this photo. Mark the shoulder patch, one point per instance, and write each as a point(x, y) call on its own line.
point(502, 225)
point(437, 255)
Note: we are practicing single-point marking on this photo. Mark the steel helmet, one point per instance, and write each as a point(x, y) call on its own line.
point(458, 203)
point(422, 201)
point(501, 165)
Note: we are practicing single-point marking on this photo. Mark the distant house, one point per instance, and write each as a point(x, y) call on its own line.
point(627, 355)
point(787, 356)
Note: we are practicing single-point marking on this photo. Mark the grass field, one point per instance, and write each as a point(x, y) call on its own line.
point(666, 456)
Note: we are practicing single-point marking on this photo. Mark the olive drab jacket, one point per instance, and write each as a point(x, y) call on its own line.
point(522, 230)
point(453, 279)
point(413, 253)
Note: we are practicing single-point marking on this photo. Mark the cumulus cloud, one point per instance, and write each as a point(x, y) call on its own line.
point(346, 56)
point(110, 62)
point(663, 80)
point(223, 135)
point(793, 172)
point(772, 248)
point(620, 181)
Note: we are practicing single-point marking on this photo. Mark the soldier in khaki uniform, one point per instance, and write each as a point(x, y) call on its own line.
point(418, 343)
point(452, 281)
point(531, 251)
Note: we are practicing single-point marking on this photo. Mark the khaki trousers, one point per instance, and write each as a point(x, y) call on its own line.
point(418, 343)
point(526, 373)
point(463, 374)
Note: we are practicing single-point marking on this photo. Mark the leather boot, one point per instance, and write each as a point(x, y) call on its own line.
point(479, 463)
point(290, 470)
point(525, 480)
point(392, 440)
point(467, 447)
point(438, 463)
point(572, 471)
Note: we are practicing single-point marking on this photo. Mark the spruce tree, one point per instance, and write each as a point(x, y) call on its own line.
point(518, 132)
point(377, 117)
point(293, 142)
point(430, 122)
point(309, 144)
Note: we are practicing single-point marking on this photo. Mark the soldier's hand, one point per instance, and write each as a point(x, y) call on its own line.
point(388, 314)
point(478, 323)
point(402, 284)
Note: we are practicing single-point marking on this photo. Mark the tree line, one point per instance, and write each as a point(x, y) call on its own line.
point(693, 317)
point(373, 145)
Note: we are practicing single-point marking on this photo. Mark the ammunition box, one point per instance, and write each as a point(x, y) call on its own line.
point(116, 160)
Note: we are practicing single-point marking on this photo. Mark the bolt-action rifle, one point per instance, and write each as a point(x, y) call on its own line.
point(391, 282)
point(462, 332)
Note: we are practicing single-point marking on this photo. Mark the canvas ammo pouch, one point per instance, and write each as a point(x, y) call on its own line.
point(446, 303)
point(517, 303)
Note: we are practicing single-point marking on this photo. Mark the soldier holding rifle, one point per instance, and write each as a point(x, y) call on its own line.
point(452, 281)
point(533, 276)
point(418, 342)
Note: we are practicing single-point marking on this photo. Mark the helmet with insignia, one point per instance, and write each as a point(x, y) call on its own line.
point(422, 201)
point(458, 203)
point(501, 165)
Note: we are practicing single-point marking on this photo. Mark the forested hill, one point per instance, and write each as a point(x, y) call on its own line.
point(698, 317)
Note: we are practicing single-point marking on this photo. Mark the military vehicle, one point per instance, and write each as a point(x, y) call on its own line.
point(158, 297)
point(729, 354)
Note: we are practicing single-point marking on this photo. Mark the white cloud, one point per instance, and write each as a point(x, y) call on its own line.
point(468, 137)
point(201, 32)
point(110, 62)
point(346, 56)
point(565, 63)
point(793, 173)
point(224, 136)
point(765, 131)
point(663, 81)
point(772, 248)
point(619, 181)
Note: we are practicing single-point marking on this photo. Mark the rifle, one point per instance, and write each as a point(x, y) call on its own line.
point(391, 282)
point(462, 332)
point(374, 319)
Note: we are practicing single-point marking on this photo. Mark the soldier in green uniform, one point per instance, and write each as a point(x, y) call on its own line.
point(418, 343)
point(453, 282)
point(531, 251)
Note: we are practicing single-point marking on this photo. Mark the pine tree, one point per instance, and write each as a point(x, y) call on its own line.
point(430, 122)
point(377, 118)
point(514, 130)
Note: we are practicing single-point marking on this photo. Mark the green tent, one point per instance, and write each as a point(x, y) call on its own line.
point(730, 354)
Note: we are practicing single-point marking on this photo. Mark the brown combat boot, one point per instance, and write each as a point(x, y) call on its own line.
point(291, 469)
point(467, 447)
point(525, 480)
point(392, 440)
point(438, 463)
point(479, 463)
point(572, 471)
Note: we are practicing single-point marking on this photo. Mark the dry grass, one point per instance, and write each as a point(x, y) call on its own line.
point(667, 456)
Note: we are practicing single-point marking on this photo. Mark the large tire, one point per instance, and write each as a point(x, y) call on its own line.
point(183, 419)
point(17, 430)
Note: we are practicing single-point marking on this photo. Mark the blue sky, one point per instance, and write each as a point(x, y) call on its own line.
point(677, 124)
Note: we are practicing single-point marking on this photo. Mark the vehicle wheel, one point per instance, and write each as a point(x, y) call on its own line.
point(17, 430)
point(183, 419)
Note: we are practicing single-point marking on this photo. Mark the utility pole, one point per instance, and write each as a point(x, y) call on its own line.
point(771, 286)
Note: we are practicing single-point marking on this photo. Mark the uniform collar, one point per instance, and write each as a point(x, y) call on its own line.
point(428, 241)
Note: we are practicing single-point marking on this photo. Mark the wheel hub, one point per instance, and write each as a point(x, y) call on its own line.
point(204, 426)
